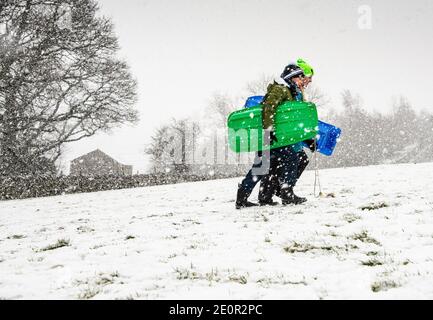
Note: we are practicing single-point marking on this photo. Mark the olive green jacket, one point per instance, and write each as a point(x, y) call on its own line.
point(276, 94)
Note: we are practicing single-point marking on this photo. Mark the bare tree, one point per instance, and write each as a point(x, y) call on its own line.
point(260, 85)
point(220, 106)
point(60, 80)
point(187, 131)
point(157, 148)
point(315, 95)
point(172, 146)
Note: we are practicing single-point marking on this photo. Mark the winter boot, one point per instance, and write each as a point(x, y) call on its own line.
point(289, 197)
point(241, 199)
point(267, 190)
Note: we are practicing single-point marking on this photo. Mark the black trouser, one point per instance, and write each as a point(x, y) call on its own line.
point(285, 170)
point(250, 180)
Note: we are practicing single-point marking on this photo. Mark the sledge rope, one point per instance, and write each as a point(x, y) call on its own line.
point(316, 173)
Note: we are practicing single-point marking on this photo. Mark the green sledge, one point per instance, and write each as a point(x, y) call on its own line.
point(294, 122)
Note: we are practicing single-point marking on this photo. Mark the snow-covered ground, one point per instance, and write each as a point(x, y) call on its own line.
point(373, 239)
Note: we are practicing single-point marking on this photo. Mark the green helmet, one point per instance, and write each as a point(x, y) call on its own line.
point(308, 70)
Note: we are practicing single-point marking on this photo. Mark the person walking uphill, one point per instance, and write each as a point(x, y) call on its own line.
point(277, 93)
point(286, 163)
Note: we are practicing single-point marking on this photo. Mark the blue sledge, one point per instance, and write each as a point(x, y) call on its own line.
point(328, 134)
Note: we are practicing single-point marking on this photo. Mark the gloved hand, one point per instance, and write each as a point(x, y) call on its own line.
point(312, 144)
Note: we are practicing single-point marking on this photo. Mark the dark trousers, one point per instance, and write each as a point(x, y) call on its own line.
point(286, 168)
point(250, 180)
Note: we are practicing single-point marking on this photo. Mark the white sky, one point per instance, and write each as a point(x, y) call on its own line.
point(183, 51)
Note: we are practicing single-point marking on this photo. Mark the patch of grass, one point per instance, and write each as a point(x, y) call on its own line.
point(89, 293)
point(350, 217)
point(38, 259)
point(94, 285)
point(364, 237)
point(97, 246)
point(191, 220)
point(374, 206)
point(405, 262)
point(212, 276)
point(103, 281)
point(129, 237)
point(132, 296)
point(184, 274)
point(59, 244)
point(84, 229)
point(298, 247)
point(238, 278)
point(298, 212)
point(279, 280)
point(304, 247)
point(384, 285)
point(372, 262)
point(16, 237)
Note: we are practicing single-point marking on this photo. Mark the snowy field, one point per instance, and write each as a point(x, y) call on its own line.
point(370, 238)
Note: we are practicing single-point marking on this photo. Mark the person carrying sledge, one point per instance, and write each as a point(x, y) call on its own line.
point(286, 163)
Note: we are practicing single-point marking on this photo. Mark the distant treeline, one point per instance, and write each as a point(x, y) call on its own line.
point(400, 135)
point(370, 138)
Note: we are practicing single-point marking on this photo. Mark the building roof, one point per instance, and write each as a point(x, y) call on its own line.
point(96, 152)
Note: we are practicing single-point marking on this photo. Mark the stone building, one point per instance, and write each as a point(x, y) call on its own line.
point(97, 163)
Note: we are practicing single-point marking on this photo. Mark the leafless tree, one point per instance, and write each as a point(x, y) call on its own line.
point(157, 148)
point(260, 85)
point(317, 96)
point(219, 107)
point(172, 146)
point(60, 80)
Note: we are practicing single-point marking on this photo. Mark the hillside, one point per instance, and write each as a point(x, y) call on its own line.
point(372, 237)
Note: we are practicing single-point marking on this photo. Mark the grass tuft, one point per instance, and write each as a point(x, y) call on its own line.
point(364, 237)
point(374, 206)
point(16, 237)
point(384, 285)
point(372, 262)
point(304, 247)
point(59, 244)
